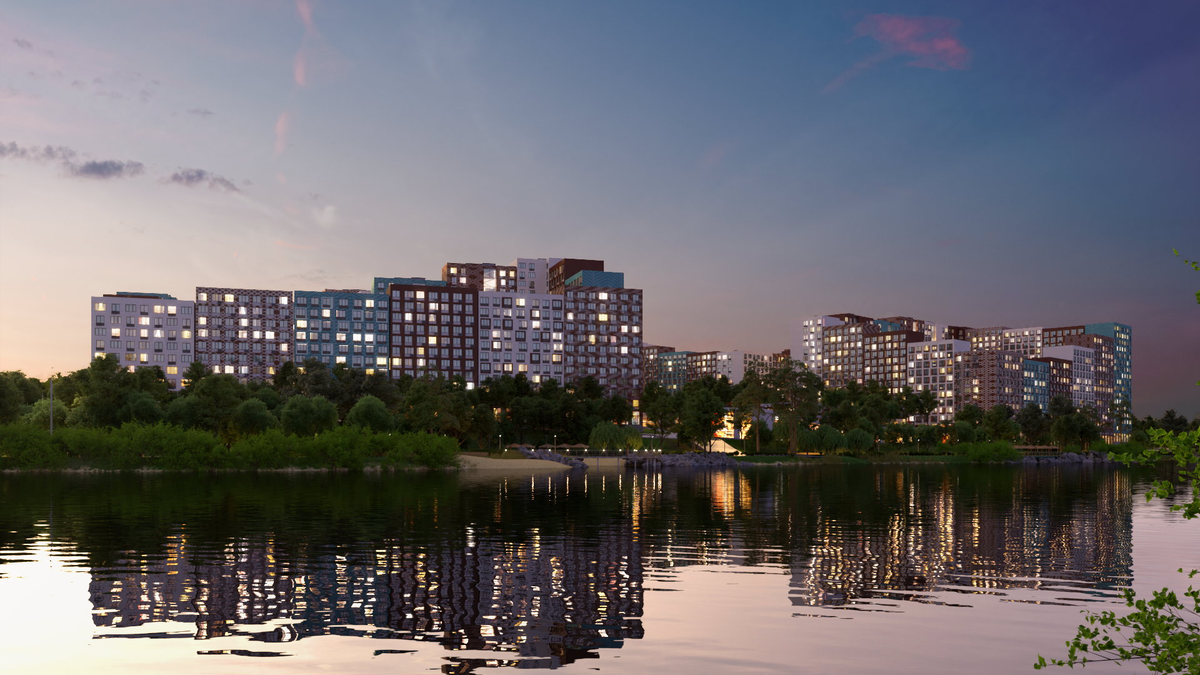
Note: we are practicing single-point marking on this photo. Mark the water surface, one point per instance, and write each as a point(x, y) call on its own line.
point(858, 570)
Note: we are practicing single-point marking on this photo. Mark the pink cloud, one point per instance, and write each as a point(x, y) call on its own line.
point(281, 131)
point(299, 71)
point(304, 8)
point(928, 41)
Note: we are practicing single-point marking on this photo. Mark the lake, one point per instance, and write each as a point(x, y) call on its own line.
point(903, 569)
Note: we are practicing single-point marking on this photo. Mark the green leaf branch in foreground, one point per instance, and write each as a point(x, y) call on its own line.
point(1163, 632)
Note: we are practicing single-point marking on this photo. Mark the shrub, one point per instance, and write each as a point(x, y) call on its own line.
point(422, 449)
point(168, 447)
point(859, 440)
point(26, 447)
point(271, 449)
point(992, 451)
point(344, 447)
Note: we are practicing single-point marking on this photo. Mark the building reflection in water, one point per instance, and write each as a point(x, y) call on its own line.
point(564, 577)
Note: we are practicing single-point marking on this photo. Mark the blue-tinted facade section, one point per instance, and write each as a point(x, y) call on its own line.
point(381, 283)
point(672, 370)
point(342, 327)
point(1122, 336)
point(1037, 384)
point(886, 326)
point(597, 279)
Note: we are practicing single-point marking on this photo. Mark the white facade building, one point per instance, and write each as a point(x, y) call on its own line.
point(735, 364)
point(520, 333)
point(807, 340)
point(533, 274)
point(931, 368)
point(145, 330)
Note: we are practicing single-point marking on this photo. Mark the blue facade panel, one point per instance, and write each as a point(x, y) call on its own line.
point(1037, 384)
point(381, 283)
point(342, 327)
point(597, 279)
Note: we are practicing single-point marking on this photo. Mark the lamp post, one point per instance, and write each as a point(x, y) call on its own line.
point(555, 443)
point(501, 443)
point(52, 404)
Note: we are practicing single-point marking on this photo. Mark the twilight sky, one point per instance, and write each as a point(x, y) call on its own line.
point(1016, 163)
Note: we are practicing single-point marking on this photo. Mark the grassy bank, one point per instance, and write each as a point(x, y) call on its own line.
point(163, 446)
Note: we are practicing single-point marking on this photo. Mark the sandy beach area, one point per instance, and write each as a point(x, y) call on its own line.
point(470, 462)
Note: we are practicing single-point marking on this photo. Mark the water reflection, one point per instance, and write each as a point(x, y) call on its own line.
point(543, 572)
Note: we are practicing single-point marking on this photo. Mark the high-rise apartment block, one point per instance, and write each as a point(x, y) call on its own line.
point(342, 326)
point(433, 332)
point(1090, 363)
point(145, 330)
point(245, 332)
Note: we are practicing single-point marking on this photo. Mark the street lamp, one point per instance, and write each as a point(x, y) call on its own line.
point(502, 443)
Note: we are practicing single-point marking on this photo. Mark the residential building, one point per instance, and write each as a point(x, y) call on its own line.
point(565, 268)
point(672, 370)
point(989, 378)
point(521, 334)
point(650, 372)
point(597, 278)
point(1037, 383)
point(145, 330)
point(885, 356)
point(1083, 372)
point(433, 331)
point(533, 274)
point(481, 276)
point(603, 337)
point(342, 326)
point(245, 332)
point(381, 283)
point(932, 367)
point(734, 365)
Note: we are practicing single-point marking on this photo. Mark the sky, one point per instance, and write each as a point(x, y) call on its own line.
point(1021, 163)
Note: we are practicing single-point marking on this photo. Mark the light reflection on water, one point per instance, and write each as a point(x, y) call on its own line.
point(465, 573)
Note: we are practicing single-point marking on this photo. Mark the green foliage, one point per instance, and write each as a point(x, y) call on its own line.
point(703, 413)
point(39, 415)
point(859, 440)
point(421, 449)
point(989, 451)
point(308, 416)
point(370, 413)
point(163, 446)
point(251, 417)
point(1162, 632)
point(25, 447)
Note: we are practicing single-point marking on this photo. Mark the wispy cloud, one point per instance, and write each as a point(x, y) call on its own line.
point(201, 112)
point(299, 247)
point(282, 123)
point(23, 43)
point(46, 153)
point(326, 216)
point(106, 169)
point(927, 41)
point(304, 9)
point(300, 70)
point(197, 177)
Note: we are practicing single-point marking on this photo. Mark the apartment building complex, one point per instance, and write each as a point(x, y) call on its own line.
point(480, 320)
point(1090, 363)
point(245, 332)
point(145, 330)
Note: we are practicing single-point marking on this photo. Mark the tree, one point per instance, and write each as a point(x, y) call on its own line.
point(1162, 632)
point(747, 405)
point(606, 436)
point(795, 397)
point(660, 407)
point(998, 425)
point(369, 413)
point(39, 414)
point(703, 413)
point(251, 417)
point(197, 371)
point(12, 402)
point(1035, 427)
point(308, 416)
point(970, 413)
